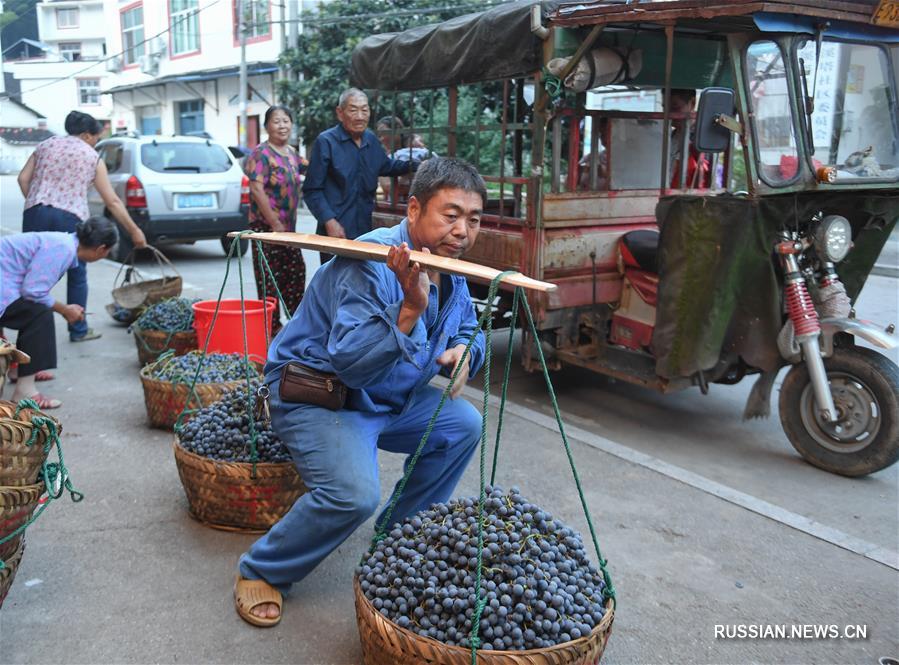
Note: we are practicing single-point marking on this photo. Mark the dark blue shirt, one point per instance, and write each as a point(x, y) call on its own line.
point(346, 324)
point(342, 179)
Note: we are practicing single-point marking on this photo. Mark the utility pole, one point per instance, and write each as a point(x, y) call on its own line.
point(242, 84)
point(285, 70)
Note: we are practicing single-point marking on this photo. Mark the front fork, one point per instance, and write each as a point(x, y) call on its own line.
point(801, 310)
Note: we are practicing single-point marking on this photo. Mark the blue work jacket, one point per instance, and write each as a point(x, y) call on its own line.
point(342, 179)
point(346, 324)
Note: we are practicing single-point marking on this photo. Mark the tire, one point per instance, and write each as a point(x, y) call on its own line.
point(242, 248)
point(865, 384)
point(122, 249)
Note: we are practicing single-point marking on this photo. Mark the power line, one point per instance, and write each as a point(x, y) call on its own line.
point(110, 57)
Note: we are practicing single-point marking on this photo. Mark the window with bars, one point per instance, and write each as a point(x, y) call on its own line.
point(71, 51)
point(133, 34)
point(67, 17)
point(257, 19)
point(89, 92)
point(185, 26)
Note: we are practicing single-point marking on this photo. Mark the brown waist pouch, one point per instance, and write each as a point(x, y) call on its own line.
point(301, 384)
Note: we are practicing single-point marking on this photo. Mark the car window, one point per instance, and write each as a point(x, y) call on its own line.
point(111, 154)
point(183, 157)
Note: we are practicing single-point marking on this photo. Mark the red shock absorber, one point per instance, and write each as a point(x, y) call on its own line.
point(801, 308)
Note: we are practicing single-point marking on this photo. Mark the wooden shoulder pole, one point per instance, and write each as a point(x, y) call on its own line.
point(369, 251)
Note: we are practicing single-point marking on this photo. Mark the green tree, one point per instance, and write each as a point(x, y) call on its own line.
point(16, 10)
point(329, 36)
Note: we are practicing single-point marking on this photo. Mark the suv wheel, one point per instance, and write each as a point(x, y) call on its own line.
point(226, 245)
point(123, 249)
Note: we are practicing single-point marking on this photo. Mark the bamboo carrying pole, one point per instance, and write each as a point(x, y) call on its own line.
point(373, 252)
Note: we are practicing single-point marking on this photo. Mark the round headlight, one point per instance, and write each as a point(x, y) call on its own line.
point(833, 238)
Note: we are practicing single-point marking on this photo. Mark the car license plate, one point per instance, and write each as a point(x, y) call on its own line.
point(887, 14)
point(191, 201)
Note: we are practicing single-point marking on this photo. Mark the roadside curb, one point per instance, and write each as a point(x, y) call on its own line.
point(885, 270)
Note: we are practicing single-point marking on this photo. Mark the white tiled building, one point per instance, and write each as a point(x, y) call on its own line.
point(177, 65)
point(71, 72)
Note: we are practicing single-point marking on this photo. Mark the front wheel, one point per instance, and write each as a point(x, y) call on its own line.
point(241, 248)
point(865, 437)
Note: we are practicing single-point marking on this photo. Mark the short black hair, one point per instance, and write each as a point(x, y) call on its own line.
point(439, 173)
point(271, 110)
point(96, 232)
point(79, 123)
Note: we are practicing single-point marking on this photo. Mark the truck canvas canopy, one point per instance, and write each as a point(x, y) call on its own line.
point(490, 45)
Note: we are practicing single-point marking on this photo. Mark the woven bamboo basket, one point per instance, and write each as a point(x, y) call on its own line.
point(153, 343)
point(20, 464)
point(135, 293)
point(224, 495)
point(385, 643)
point(8, 574)
point(166, 400)
point(16, 506)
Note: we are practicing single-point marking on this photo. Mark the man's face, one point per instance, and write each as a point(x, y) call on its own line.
point(354, 115)
point(449, 224)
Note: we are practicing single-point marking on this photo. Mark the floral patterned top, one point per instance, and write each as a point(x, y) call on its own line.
point(64, 170)
point(280, 176)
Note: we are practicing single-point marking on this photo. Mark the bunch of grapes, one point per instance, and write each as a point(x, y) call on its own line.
point(217, 368)
point(538, 583)
point(170, 315)
point(221, 431)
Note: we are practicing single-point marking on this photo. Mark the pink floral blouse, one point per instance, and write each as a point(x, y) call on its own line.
point(280, 176)
point(64, 170)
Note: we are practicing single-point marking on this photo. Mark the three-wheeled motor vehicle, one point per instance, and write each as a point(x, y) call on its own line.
point(691, 243)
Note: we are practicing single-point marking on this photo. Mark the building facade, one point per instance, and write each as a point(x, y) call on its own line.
point(176, 65)
point(70, 71)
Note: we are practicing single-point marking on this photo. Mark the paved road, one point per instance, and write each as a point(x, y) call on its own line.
point(705, 519)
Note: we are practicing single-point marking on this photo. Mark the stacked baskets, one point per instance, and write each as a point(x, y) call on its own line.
point(22, 455)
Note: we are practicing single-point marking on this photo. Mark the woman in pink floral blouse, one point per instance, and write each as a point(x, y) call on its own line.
point(274, 170)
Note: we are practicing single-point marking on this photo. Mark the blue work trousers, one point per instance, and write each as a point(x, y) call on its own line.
point(48, 218)
point(336, 453)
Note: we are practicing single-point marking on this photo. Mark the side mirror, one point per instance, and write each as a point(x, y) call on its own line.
point(715, 105)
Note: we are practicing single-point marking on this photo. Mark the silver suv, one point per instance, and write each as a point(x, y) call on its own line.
point(176, 189)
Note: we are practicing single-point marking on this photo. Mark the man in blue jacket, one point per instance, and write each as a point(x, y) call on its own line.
point(342, 177)
point(384, 330)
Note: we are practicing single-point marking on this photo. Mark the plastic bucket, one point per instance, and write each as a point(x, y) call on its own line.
point(227, 334)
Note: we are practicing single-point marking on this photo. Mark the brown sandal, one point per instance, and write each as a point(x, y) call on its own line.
point(252, 593)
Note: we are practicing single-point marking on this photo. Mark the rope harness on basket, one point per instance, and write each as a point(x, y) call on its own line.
point(54, 475)
point(485, 322)
point(192, 394)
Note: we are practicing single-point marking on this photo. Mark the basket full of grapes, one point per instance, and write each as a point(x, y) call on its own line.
point(543, 600)
point(169, 386)
point(213, 452)
point(166, 325)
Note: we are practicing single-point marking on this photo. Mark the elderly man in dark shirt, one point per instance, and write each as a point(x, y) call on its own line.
point(342, 177)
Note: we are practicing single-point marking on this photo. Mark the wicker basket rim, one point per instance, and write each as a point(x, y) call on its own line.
point(153, 379)
point(598, 629)
point(181, 451)
point(137, 330)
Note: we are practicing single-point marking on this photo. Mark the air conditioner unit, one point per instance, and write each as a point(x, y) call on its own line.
point(114, 65)
point(158, 47)
point(149, 64)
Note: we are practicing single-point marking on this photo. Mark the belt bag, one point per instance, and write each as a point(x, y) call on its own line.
point(301, 384)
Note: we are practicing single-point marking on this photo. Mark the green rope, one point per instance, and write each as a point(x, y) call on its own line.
point(192, 393)
point(506, 371)
point(609, 590)
point(251, 410)
point(55, 475)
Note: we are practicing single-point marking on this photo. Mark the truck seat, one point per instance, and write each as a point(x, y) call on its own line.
point(639, 249)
